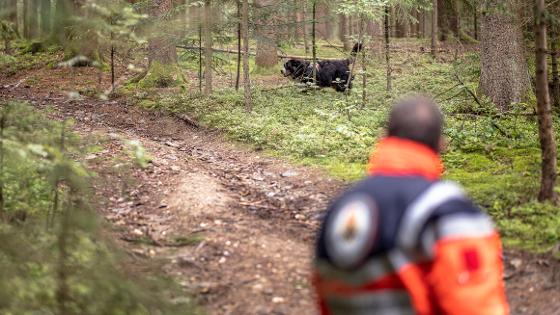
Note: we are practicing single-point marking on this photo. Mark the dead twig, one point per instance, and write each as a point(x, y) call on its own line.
point(189, 121)
point(280, 56)
point(256, 205)
point(477, 100)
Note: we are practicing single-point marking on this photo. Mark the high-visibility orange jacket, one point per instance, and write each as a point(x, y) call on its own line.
point(404, 242)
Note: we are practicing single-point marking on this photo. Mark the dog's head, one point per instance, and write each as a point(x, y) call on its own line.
point(294, 68)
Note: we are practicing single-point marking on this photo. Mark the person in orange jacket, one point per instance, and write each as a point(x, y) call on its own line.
point(402, 241)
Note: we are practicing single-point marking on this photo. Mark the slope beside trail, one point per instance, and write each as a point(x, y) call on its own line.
point(233, 226)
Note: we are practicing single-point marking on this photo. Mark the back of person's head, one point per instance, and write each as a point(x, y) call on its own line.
point(417, 118)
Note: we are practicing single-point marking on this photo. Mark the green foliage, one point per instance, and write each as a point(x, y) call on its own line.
point(67, 266)
point(113, 22)
point(7, 31)
point(374, 9)
point(138, 153)
point(21, 60)
point(103, 25)
point(161, 75)
point(531, 225)
point(495, 156)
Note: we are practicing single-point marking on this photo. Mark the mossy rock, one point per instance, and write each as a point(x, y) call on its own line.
point(161, 75)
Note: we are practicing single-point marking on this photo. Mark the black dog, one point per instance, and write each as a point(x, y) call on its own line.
point(330, 73)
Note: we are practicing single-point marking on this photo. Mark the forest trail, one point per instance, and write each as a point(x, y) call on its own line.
point(234, 227)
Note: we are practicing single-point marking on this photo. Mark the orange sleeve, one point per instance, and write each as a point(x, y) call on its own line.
point(467, 276)
point(316, 281)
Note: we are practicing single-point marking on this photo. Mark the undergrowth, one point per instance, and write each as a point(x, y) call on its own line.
point(54, 257)
point(24, 59)
point(496, 157)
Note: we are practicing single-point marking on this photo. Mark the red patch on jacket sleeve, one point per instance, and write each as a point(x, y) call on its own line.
point(472, 259)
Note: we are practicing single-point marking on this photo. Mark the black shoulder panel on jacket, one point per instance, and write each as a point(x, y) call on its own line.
point(392, 196)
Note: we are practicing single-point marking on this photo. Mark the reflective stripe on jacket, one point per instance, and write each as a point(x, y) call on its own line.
point(406, 243)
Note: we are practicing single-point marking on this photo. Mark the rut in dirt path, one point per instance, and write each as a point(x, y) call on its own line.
point(254, 217)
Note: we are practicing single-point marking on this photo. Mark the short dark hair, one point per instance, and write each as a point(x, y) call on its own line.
point(417, 118)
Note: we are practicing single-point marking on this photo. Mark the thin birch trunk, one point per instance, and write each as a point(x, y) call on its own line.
point(546, 132)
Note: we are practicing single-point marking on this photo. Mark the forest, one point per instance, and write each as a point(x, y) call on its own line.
point(176, 156)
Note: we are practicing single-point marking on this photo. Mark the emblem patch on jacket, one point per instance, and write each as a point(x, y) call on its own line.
point(351, 231)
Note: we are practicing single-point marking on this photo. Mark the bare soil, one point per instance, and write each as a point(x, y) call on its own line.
point(233, 226)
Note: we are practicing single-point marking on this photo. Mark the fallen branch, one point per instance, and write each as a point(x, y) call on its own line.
point(471, 93)
point(278, 88)
point(493, 116)
point(186, 119)
point(228, 51)
point(146, 239)
point(256, 205)
point(281, 56)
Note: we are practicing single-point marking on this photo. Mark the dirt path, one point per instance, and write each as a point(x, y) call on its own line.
point(235, 228)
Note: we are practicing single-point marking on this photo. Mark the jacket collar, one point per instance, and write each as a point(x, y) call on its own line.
point(401, 157)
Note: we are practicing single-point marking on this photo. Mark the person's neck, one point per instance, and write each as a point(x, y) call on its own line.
point(402, 157)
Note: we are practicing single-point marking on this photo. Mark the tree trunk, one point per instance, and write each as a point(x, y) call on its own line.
point(421, 24)
point(208, 53)
point(546, 133)
point(415, 29)
point(304, 26)
point(363, 54)
point(112, 67)
point(245, 36)
point(8, 11)
point(393, 19)
point(504, 76)
point(199, 51)
point(160, 47)
point(314, 39)
point(162, 54)
point(45, 11)
point(38, 17)
point(388, 48)
point(328, 23)
point(187, 25)
point(291, 20)
point(343, 32)
point(372, 28)
point(3, 112)
point(475, 20)
point(555, 77)
point(20, 13)
point(63, 288)
point(53, 16)
point(31, 21)
point(434, 28)
point(354, 57)
point(443, 20)
point(26, 19)
point(455, 17)
point(294, 20)
point(238, 72)
point(403, 27)
point(267, 56)
point(63, 12)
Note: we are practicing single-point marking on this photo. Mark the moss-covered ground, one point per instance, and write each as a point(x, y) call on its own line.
point(495, 156)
